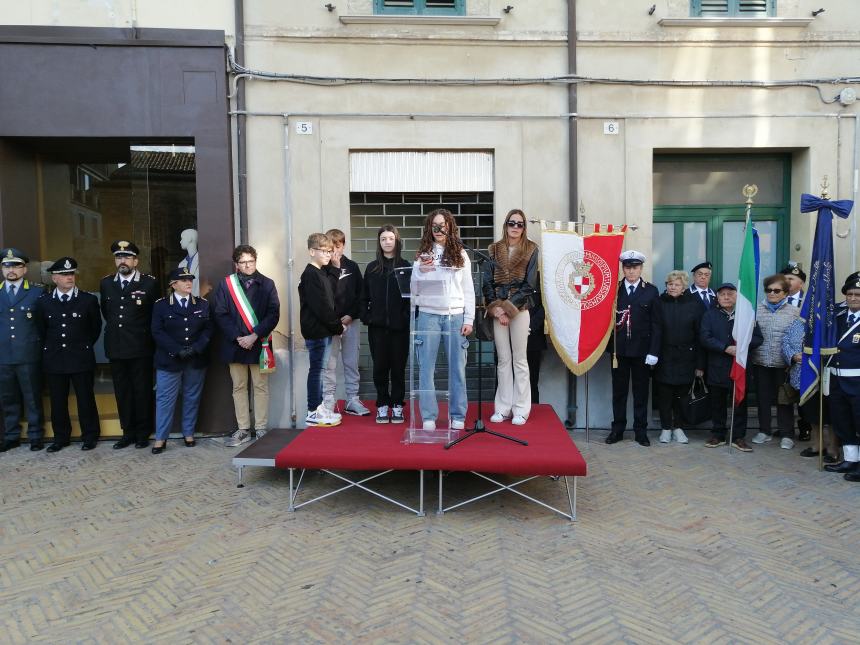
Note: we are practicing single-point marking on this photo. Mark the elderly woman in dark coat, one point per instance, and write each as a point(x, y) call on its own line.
point(681, 358)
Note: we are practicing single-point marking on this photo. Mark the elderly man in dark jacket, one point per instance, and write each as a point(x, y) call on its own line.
point(716, 338)
point(247, 294)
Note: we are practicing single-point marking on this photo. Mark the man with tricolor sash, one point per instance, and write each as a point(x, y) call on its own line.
point(247, 310)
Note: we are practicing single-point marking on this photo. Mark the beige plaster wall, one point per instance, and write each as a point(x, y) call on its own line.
point(167, 14)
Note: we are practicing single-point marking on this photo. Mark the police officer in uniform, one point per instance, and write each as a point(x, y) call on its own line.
point(701, 284)
point(126, 302)
point(796, 279)
point(182, 327)
point(636, 347)
point(20, 353)
point(845, 382)
point(70, 323)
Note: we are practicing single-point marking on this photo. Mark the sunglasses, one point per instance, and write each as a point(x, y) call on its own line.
point(514, 224)
point(439, 228)
point(774, 290)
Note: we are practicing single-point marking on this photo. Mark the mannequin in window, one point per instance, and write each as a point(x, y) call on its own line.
point(191, 261)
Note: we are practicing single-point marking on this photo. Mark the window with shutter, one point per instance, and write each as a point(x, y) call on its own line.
point(739, 8)
point(421, 7)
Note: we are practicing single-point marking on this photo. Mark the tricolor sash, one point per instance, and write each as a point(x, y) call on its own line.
point(246, 311)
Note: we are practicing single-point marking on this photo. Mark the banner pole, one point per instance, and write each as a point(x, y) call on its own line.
point(731, 423)
point(820, 428)
point(587, 422)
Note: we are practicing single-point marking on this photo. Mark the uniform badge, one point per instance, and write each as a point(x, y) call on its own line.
point(139, 301)
point(856, 338)
point(29, 314)
point(74, 314)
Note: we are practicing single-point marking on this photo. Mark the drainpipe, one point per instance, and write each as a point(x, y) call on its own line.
point(288, 218)
point(573, 197)
point(241, 122)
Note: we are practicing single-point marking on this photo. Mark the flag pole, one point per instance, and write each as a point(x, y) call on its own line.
point(824, 195)
point(731, 422)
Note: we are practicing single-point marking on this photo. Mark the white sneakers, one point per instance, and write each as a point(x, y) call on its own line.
point(382, 414)
point(677, 434)
point(457, 424)
point(428, 426)
point(786, 443)
point(322, 417)
point(761, 437)
point(517, 420)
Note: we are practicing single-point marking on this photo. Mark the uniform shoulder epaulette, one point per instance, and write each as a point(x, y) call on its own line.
point(160, 299)
point(146, 275)
point(109, 275)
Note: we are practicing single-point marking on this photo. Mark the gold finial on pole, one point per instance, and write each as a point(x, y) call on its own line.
point(824, 186)
point(750, 191)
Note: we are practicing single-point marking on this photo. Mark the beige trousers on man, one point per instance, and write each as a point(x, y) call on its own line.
point(239, 376)
point(514, 392)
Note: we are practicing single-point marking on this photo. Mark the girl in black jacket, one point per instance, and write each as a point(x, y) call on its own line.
point(386, 313)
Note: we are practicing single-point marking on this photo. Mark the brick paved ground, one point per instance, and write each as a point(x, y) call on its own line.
point(673, 544)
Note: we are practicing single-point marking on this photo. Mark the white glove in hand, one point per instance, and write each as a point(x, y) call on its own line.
point(651, 360)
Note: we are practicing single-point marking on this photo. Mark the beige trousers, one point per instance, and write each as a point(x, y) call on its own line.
point(513, 393)
point(239, 376)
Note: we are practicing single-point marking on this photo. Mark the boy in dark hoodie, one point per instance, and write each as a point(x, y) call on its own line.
point(319, 324)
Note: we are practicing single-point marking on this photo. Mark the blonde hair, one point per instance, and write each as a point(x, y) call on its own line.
point(319, 241)
point(336, 236)
point(677, 275)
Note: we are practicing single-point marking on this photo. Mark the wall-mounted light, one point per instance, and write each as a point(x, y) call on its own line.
point(816, 12)
point(508, 9)
point(330, 7)
point(652, 10)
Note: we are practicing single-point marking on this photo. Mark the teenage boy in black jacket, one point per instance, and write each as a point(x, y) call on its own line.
point(319, 323)
point(715, 336)
point(347, 284)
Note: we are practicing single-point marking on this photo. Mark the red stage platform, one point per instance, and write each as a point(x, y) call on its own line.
point(360, 444)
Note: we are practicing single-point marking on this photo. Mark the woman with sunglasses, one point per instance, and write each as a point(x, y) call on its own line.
point(774, 316)
point(509, 288)
point(444, 294)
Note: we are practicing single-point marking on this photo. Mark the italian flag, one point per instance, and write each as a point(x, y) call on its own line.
point(745, 311)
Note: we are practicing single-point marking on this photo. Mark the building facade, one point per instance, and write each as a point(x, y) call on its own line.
point(355, 113)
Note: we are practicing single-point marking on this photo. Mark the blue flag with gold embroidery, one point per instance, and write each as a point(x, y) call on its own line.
point(819, 305)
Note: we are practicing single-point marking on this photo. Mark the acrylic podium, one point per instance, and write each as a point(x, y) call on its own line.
point(429, 286)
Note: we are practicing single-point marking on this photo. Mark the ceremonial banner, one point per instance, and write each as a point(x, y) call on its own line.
point(579, 283)
point(819, 304)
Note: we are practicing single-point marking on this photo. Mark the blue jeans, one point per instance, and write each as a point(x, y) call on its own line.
point(318, 353)
point(433, 330)
point(167, 386)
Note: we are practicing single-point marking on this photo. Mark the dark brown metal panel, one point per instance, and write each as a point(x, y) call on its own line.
point(135, 84)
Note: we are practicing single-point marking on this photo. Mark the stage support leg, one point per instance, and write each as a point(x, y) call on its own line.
point(571, 500)
point(420, 493)
point(440, 511)
point(291, 508)
point(240, 484)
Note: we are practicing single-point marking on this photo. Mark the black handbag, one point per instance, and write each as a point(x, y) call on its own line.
point(484, 326)
point(694, 405)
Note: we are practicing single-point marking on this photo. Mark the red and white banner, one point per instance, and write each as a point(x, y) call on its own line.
point(579, 283)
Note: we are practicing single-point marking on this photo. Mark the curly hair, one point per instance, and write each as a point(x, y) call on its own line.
point(452, 254)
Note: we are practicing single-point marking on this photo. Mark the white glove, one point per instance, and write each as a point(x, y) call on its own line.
point(651, 360)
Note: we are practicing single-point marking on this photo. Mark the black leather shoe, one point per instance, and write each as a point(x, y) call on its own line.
point(189, 444)
point(141, 444)
point(36, 446)
point(125, 442)
point(614, 437)
point(8, 445)
point(643, 442)
point(842, 467)
point(852, 477)
point(56, 447)
point(157, 450)
point(88, 445)
point(804, 436)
